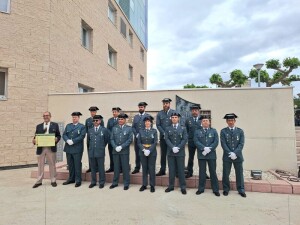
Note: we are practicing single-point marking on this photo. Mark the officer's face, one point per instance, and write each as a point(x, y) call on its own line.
point(93, 113)
point(205, 123)
point(46, 117)
point(75, 119)
point(96, 122)
point(230, 122)
point(166, 106)
point(141, 109)
point(121, 121)
point(147, 124)
point(195, 112)
point(115, 113)
point(175, 119)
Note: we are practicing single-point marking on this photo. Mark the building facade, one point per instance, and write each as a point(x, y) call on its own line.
point(61, 46)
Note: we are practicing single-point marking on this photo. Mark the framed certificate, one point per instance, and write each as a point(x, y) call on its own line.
point(45, 140)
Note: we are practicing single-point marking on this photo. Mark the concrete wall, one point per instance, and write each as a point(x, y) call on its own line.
point(265, 115)
point(40, 47)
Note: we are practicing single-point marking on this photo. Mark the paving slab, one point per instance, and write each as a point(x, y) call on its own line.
point(64, 205)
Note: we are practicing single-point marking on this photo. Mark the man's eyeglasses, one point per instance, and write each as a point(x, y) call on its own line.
point(95, 120)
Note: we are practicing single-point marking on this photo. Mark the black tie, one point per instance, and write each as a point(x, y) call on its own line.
point(174, 126)
point(195, 119)
point(96, 129)
point(205, 130)
point(231, 129)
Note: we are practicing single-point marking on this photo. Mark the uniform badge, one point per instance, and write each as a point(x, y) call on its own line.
point(210, 135)
point(237, 138)
point(101, 133)
point(152, 136)
point(78, 131)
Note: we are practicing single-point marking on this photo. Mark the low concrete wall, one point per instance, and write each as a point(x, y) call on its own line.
point(265, 114)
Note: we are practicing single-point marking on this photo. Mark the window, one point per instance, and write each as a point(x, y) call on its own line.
point(132, 5)
point(3, 84)
point(123, 27)
point(130, 72)
point(86, 36)
point(112, 57)
point(5, 6)
point(142, 82)
point(112, 12)
point(142, 54)
point(84, 89)
point(130, 38)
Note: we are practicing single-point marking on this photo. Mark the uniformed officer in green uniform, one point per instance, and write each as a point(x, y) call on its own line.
point(147, 140)
point(121, 137)
point(97, 138)
point(138, 124)
point(176, 138)
point(113, 121)
point(232, 141)
point(74, 135)
point(163, 120)
point(192, 123)
point(206, 140)
point(89, 124)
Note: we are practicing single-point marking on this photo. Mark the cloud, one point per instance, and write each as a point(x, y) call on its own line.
point(191, 40)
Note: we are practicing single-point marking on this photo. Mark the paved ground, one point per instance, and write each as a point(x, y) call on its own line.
point(63, 205)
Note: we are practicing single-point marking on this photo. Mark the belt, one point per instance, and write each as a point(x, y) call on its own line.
point(147, 145)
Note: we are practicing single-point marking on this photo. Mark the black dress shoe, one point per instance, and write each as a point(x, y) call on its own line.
point(101, 186)
point(183, 191)
point(199, 192)
point(92, 185)
point(243, 195)
point(160, 173)
point(217, 194)
point(78, 184)
point(143, 188)
point(126, 188)
point(113, 186)
point(152, 189)
point(109, 170)
point(207, 177)
point(169, 190)
point(36, 185)
point(188, 175)
point(225, 193)
point(135, 171)
point(53, 184)
point(88, 171)
point(68, 182)
point(121, 171)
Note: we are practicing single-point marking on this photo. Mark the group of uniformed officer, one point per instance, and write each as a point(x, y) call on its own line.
point(173, 135)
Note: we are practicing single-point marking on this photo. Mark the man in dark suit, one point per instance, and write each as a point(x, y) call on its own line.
point(47, 127)
point(89, 124)
point(206, 140)
point(97, 137)
point(74, 135)
point(121, 138)
point(163, 120)
point(232, 141)
point(192, 124)
point(138, 124)
point(113, 121)
point(176, 138)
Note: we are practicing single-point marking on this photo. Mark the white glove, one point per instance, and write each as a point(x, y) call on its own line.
point(118, 148)
point(175, 149)
point(70, 142)
point(207, 150)
point(204, 153)
point(146, 152)
point(232, 155)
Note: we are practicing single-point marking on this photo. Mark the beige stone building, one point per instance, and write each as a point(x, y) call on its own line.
point(50, 46)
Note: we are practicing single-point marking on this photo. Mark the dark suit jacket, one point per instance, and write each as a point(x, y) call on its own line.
point(53, 129)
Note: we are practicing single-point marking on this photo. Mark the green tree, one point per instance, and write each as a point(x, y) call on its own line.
point(282, 72)
point(194, 86)
point(237, 78)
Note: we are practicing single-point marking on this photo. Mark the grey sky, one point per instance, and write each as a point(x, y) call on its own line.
point(191, 40)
